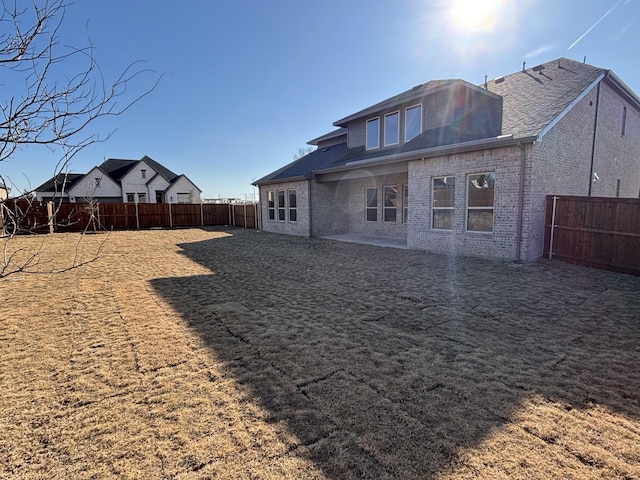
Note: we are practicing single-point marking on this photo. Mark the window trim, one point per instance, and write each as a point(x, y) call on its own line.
point(366, 204)
point(405, 204)
point(142, 198)
point(131, 197)
point(385, 208)
point(397, 133)
point(366, 140)
point(183, 196)
point(452, 208)
point(281, 208)
point(405, 121)
point(271, 205)
point(293, 209)
point(492, 207)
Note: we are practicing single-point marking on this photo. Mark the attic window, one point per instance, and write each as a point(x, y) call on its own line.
point(392, 128)
point(97, 179)
point(412, 122)
point(373, 133)
point(144, 173)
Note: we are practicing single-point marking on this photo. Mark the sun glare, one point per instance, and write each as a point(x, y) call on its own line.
point(475, 16)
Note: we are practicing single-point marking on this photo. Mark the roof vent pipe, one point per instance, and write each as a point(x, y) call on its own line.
point(524, 64)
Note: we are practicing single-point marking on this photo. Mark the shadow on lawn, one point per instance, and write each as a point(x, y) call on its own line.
point(386, 363)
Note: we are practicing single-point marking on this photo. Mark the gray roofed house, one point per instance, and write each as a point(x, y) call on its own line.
point(451, 166)
point(121, 180)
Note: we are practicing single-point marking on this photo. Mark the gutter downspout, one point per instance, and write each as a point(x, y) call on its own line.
point(595, 131)
point(309, 207)
point(523, 158)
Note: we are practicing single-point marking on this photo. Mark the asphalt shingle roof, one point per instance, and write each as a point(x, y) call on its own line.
point(56, 184)
point(533, 99)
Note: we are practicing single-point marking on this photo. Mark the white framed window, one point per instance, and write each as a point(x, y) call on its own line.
point(405, 204)
point(371, 204)
point(281, 209)
point(390, 207)
point(392, 128)
point(293, 206)
point(480, 202)
point(183, 198)
point(142, 198)
point(443, 190)
point(144, 173)
point(271, 205)
point(131, 197)
point(373, 133)
point(412, 122)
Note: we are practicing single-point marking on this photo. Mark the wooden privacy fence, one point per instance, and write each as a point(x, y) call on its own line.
point(41, 217)
point(594, 231)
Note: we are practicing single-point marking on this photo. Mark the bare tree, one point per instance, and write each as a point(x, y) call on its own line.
point(51, 105)
point(302, 151)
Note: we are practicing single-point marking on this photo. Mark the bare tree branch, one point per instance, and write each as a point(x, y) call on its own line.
point(49, 106)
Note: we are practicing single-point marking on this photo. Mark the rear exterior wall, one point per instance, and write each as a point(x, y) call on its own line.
point(299, 226)
point(501, 242)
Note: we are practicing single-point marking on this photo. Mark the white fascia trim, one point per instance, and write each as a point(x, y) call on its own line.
point(562, 114)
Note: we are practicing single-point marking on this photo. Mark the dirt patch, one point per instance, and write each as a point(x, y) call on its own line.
point(241, 354)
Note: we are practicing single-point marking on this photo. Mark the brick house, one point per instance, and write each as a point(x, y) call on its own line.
point(449, 166)
point(119, 180)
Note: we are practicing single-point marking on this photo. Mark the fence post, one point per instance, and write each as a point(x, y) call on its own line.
point(201, 214)
point(170, 217)
point(230, 219)
point(553, 224)
point(137, 218)
point(50, 215)
point(245, 215)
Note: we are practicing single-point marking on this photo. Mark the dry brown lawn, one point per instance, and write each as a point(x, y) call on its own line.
point(240, 354)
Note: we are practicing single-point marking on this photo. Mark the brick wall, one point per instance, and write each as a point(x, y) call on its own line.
point(505, 164)
point(560, 162)
point(299, 227)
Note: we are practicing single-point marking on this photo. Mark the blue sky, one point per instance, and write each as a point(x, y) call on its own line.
point(247, 83)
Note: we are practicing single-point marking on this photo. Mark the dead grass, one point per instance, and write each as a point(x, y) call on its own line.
point(239, 354)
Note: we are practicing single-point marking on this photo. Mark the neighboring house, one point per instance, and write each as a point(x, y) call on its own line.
point(116, 180)
point(4, 192)
point(454, 167)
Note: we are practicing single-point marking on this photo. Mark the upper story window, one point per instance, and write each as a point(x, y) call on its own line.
point(392, 128)
point(144, 173)
point(373, 133)
point(97, 179)
point(412, 122)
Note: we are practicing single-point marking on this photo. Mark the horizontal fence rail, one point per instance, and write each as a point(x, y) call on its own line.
point(44, 217)
point(594, 231)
